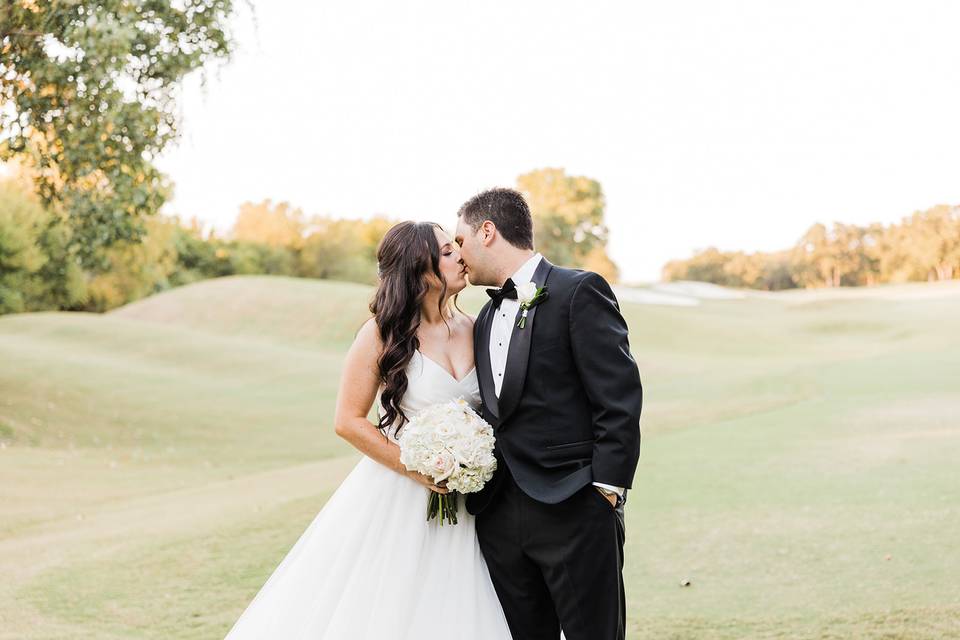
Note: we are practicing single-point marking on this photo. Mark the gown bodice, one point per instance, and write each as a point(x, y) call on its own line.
point(430, 383)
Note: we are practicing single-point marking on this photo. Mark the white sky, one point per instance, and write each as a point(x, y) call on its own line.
point(736, 124)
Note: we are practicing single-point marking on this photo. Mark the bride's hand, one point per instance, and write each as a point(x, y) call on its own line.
point(427, 481)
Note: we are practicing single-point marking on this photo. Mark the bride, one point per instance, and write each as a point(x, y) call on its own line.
point(370, 565)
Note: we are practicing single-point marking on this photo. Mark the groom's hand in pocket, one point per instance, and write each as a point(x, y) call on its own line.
point(611, 499)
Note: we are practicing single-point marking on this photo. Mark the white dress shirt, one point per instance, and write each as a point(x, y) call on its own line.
point(501, 330)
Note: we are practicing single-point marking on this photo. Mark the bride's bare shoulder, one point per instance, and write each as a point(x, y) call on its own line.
point(368, 330)
point(368, 338)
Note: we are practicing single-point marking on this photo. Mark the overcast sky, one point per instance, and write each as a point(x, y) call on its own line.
point(736, 124)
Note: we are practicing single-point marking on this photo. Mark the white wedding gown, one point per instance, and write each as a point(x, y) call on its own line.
point(370, 566)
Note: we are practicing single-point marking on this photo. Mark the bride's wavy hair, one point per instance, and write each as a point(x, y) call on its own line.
point(406, 255)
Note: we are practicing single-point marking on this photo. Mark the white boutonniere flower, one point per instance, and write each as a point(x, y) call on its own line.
point(526, 292)
point(529, 295)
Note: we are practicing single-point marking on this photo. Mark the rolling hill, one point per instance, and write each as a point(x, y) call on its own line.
point(798, 466)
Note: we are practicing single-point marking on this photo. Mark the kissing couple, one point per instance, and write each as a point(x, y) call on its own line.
point(538, 550)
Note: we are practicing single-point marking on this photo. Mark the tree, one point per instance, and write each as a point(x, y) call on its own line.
point(342, 249)
point(568, 220)
point(21, 224)
point(705, 266)
point(777, 272)
point(199, 256)
point(743, 270)
point(88, 99)
point(276, 226)
point(932, 242)
point(816, 260)
point(136, 269)
point(35, 270)
point(852, 252)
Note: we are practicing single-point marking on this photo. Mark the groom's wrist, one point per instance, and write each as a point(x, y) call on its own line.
point(617, 490)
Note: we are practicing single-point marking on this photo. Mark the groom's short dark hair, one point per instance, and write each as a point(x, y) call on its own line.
point(506, 209)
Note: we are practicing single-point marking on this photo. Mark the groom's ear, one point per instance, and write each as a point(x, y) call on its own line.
point(488, 231)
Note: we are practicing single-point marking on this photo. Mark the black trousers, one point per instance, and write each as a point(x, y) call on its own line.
point(556, 565)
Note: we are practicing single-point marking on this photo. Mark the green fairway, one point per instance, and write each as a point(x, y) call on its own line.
point(800, 464)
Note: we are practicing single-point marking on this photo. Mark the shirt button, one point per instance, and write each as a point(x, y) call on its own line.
point(500, 375)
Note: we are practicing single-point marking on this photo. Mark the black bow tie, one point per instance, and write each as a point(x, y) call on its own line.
point(508, 290)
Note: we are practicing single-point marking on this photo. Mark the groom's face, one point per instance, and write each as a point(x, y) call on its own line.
point(473, 253)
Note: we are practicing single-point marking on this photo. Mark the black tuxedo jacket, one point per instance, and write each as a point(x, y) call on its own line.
point(569, 408)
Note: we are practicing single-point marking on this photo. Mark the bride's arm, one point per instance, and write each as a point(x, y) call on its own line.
point(358, 390)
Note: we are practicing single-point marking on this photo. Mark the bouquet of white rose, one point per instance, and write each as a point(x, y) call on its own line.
point(450, 443)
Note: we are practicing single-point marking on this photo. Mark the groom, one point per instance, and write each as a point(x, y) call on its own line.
point(563, 393)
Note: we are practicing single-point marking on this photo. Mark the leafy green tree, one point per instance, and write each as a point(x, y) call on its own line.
point(254, 258)
point(88, 99)
point(342, 249)
point(21, 223)
point(36, 272)
point(199, 256)
point(568, 222)
point(136, 269)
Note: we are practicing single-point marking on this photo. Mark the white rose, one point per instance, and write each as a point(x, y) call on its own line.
point(526, 292)
point(446, 429)
point(442, 465)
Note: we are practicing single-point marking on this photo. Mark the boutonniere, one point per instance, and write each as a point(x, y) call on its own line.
point(529, 295)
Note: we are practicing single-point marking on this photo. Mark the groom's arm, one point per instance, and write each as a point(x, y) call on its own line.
point(601, 353)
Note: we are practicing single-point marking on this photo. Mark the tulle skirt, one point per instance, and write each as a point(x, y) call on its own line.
point(370, 566)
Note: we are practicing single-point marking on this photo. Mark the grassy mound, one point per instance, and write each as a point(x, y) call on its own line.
point(798, 467)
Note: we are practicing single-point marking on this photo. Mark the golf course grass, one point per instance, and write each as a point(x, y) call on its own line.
point(799, 473)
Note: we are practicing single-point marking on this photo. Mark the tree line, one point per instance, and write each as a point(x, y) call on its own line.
point(40, 268)
point(924, 246)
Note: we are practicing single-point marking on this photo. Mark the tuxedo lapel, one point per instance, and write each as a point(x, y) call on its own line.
point(481, 354)
point(519, 354)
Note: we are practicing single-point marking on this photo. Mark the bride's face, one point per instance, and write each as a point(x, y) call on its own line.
point(451, 267)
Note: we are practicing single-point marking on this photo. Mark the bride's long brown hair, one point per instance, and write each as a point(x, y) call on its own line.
point(407, 254)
